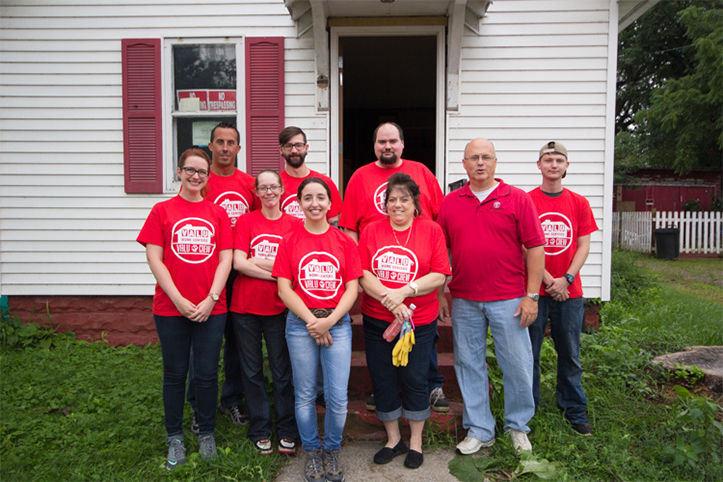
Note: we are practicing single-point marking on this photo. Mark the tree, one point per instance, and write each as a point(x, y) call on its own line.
point(670, 97)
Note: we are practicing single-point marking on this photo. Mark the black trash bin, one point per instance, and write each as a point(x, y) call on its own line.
point(666, 243)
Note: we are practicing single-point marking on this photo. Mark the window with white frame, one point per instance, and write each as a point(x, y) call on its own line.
point(206, 88)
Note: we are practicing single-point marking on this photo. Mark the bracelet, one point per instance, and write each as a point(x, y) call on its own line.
point(415, 287)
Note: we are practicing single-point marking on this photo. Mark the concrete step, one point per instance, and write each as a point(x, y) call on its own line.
point(363, 424)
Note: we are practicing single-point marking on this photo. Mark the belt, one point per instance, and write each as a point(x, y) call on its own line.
point(321, 312)
point(324, 313)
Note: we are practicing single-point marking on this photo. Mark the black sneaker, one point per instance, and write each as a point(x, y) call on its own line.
point(437, 401)
point(582, 428)
point(370, 404)
point(235, 414)
point(194, 423)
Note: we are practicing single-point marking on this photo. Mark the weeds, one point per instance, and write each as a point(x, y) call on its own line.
point(639, 433)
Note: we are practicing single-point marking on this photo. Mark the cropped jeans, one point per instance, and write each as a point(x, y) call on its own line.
point(335, 361)
point(566, 321)
point(387, 379)
point(178, 336)
point(470, 320)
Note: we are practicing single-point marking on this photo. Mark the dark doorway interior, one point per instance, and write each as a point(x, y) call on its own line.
point(388, 79)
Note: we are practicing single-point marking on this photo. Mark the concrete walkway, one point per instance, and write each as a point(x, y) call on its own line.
point(359, 466)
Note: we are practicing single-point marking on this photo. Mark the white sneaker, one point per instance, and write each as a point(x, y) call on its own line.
point(471, 445)
point(520, 441)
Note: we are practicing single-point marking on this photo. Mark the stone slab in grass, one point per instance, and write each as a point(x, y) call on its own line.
point(708, 358)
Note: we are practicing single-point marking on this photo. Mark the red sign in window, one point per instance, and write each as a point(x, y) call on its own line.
point(221, 100)
point(201, 95)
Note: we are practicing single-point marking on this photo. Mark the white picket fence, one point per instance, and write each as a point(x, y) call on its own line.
point(700, 232)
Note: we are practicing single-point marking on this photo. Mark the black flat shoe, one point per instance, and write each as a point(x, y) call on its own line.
point(385, 455)
point(413, 460)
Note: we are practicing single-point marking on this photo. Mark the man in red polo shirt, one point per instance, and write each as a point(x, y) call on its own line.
point(567, 222)
point(294, 148)
point(487, 223)
point(364, 203)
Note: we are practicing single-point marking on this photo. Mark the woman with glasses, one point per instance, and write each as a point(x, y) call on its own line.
point(257, 311)
point(317, 270)
point(404, 260)
point(188, 245)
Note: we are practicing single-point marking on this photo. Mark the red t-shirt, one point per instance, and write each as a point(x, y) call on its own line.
point(259, 237)
point(235, 193)
point(192, 234)
point(318, 265)
point(564, 219)
point(365, 194)
point(486, 241)
point(396, 265)
point(289, 203)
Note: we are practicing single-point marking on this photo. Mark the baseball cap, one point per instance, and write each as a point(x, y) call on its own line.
point(553, 146)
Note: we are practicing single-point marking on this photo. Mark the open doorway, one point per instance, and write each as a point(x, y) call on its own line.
point(387, 78)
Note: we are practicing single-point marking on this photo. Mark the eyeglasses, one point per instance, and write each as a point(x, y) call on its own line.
point(476, 158)
point(272, 188)
point(298, 145)
point(191, 171)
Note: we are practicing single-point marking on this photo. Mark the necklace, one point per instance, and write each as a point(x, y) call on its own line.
point(411, 226)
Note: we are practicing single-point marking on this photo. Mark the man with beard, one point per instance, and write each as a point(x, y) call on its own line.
point(364, 196)
point(364, 203)
point(293, 148)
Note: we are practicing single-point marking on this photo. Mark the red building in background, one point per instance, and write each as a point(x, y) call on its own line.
point(663, 190)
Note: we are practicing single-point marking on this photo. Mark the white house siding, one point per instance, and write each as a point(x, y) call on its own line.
point(539, 71)
point(66, 225)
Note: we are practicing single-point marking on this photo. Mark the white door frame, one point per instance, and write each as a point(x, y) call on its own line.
point(380, 31)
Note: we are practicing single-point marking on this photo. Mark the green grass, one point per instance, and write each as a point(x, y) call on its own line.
point(72, 410)
point(699, 277)
point(641, 433)
point(86, 411)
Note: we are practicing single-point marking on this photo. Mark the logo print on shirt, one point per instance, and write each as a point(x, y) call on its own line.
point(291, 207)
point(234, 204)
point(380, 198)
point(265, 246)
point(395, 264)
point(558, 233)
point(193, 240)
point(319, 275)
point(497, 204)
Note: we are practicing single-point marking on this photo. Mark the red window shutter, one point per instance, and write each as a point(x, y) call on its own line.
point(264, 102)
point(142, 130)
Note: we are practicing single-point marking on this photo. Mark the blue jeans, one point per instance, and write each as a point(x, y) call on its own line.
point(335, 365)
point(386, 378)
point(178, 336)
point(249, 329)
point(232, 391)
point(470, 320)
point(566, 321)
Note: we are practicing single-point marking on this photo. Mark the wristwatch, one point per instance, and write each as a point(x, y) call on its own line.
point(534, 296)
point(570, 278)
point(415, 287)
point(213, 296)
